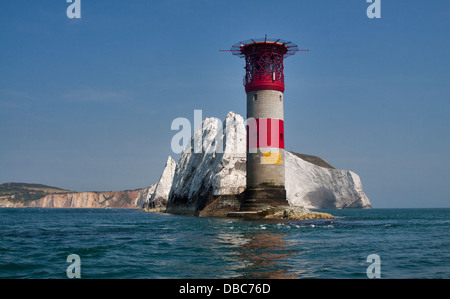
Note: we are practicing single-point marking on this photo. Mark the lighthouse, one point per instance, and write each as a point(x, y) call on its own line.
point(264, 86)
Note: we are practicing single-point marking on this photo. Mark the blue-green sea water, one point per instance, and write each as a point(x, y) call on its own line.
point(117, 243)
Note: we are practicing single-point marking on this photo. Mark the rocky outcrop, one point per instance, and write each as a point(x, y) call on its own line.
point(316, 187)
point(220, 169)
point(297, 213)
point(158, 195)
point(282, 212)
point(142, 201)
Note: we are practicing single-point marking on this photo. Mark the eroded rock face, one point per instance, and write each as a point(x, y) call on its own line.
point(119, 199)
point(157, 197)
point(316, 187)
point(218, 170)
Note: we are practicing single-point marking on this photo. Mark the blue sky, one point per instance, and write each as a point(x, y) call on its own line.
point(86, 104)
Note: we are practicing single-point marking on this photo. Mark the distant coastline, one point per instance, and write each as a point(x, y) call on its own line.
point(38, 195)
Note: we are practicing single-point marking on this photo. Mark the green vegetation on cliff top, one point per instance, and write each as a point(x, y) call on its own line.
point(24, 192)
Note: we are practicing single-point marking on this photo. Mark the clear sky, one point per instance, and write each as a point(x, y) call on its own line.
point(86, 104)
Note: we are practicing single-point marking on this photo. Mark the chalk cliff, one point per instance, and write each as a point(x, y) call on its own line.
point(316, 187)
point(118, 199)
point(158, 195)
point(218, 170)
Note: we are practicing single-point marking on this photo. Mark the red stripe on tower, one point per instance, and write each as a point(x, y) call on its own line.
point(265, 133)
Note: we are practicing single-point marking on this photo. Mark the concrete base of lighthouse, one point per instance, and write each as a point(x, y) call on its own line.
point(263, 198)
point(265, 183)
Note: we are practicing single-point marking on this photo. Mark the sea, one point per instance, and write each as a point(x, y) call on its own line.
point(40, 243)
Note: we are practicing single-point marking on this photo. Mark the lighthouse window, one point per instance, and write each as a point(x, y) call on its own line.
point(255, 97)
point(281, 98)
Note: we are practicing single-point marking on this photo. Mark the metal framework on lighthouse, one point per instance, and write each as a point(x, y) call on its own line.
point(264, 58)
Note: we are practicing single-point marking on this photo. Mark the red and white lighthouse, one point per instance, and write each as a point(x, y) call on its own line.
point(264, 85)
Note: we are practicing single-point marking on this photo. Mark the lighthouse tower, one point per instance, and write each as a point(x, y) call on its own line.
point(264, 85)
